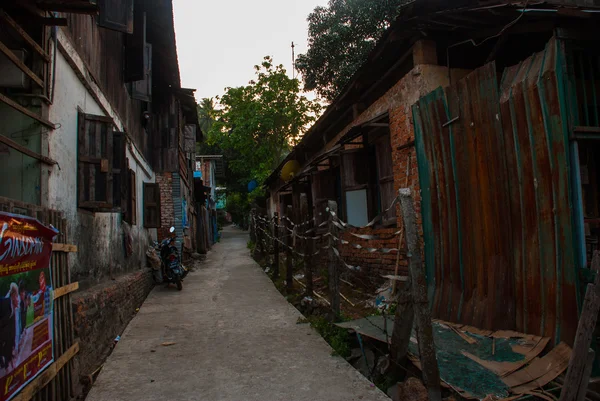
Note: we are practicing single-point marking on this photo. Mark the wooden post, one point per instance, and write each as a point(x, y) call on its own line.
point(258, 236)
point(431, 374)
point(276, 246)
point(289, 260)
point(587, 372)
point(401, 236)
point(403, 324)
point(575, 385)
point(308, 245)
point(252, 224)
point(332, 265)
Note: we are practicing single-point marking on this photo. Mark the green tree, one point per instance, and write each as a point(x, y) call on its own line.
point(207, 113)
point(257, 124)
point(340, 37)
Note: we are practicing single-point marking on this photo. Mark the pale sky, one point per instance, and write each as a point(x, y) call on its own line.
point(220, 41)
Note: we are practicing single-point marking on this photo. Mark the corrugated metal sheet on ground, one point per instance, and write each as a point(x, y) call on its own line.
point(499, 242)
point(477, 363)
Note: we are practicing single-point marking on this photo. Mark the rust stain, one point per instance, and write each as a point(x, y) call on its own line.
point(501, 224)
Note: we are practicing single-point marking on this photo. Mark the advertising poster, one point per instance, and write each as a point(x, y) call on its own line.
point(26, 301)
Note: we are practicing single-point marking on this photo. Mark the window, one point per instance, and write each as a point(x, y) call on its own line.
point(324, 188)
point(101, 162)
point(385, 177)
point(142, 89)
point(116, 15)
point(355, 186)
point(151, 205)
point(368, 177)
point(135, 45)
point(130, 214)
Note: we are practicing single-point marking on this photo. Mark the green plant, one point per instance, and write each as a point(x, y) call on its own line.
point(335, 336)
point(251, 245)
point(384, 382)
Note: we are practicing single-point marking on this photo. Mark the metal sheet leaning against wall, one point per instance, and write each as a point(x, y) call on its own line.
point(497, 225)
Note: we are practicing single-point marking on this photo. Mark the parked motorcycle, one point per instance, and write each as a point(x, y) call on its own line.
point(173, 270)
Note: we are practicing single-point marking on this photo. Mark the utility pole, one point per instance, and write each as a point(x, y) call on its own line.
point(293, 62)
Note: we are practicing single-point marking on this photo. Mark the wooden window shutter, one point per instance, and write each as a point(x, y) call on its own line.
point(323, 190)
point(135, 46)
point(95, 162)
point(355, 172)
point(142, 90)
point(151, 205)
point(132, 200)
point(116, 15)
point(385, 177)
point(119, 171)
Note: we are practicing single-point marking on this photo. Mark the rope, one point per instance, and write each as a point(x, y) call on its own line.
point(369, 224)
point(343, 226)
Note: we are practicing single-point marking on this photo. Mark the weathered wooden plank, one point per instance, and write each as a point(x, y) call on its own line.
point(289, 260)
point(57, 247)
point(308, 247)
point(12, 57)
point(9, 142)
point(25, 111)
point(583, 338)
point(427, 354)
point(50, 373)
point(65, 289)
point(403, 325)
point(53, 21)
point(275, 244)
point(8, 19)
point(332, 264)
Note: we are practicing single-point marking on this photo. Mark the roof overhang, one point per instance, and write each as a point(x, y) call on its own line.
point(460, 21)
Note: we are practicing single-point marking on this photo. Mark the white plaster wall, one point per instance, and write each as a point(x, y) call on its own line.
point(99, 236)
point(69, 95)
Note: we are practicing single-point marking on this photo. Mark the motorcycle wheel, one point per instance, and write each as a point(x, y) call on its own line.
point(179, 283)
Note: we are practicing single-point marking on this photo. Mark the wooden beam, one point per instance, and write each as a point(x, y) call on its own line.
point(406, 145)
point(92, 9)
point(584, 129)
point(64, 290)
point(46, 377)
point(28, 152)
point(12, 57)
point(333, 269)
point(425, 52)
point(57, 247)
point(575, 380)
point(418, 285)
point(54, 21)
point(8, 19)
point(25, 111)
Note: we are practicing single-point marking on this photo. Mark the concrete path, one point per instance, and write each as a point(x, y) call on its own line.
point(236, 338)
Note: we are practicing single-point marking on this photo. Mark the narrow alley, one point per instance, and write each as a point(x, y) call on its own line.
point(234, 337)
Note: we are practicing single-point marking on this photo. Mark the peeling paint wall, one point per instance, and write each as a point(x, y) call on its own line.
point(101, 237)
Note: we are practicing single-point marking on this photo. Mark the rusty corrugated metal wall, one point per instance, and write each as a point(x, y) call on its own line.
point(494, 172)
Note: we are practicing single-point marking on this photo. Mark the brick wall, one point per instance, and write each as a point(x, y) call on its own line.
point(374, 264)
point(397, 102)
point(167, 214)
point(102, 313)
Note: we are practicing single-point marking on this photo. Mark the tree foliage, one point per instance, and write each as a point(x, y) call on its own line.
point(340, 37)
point(254, 127)
point(261, 121)
point(207, 114)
